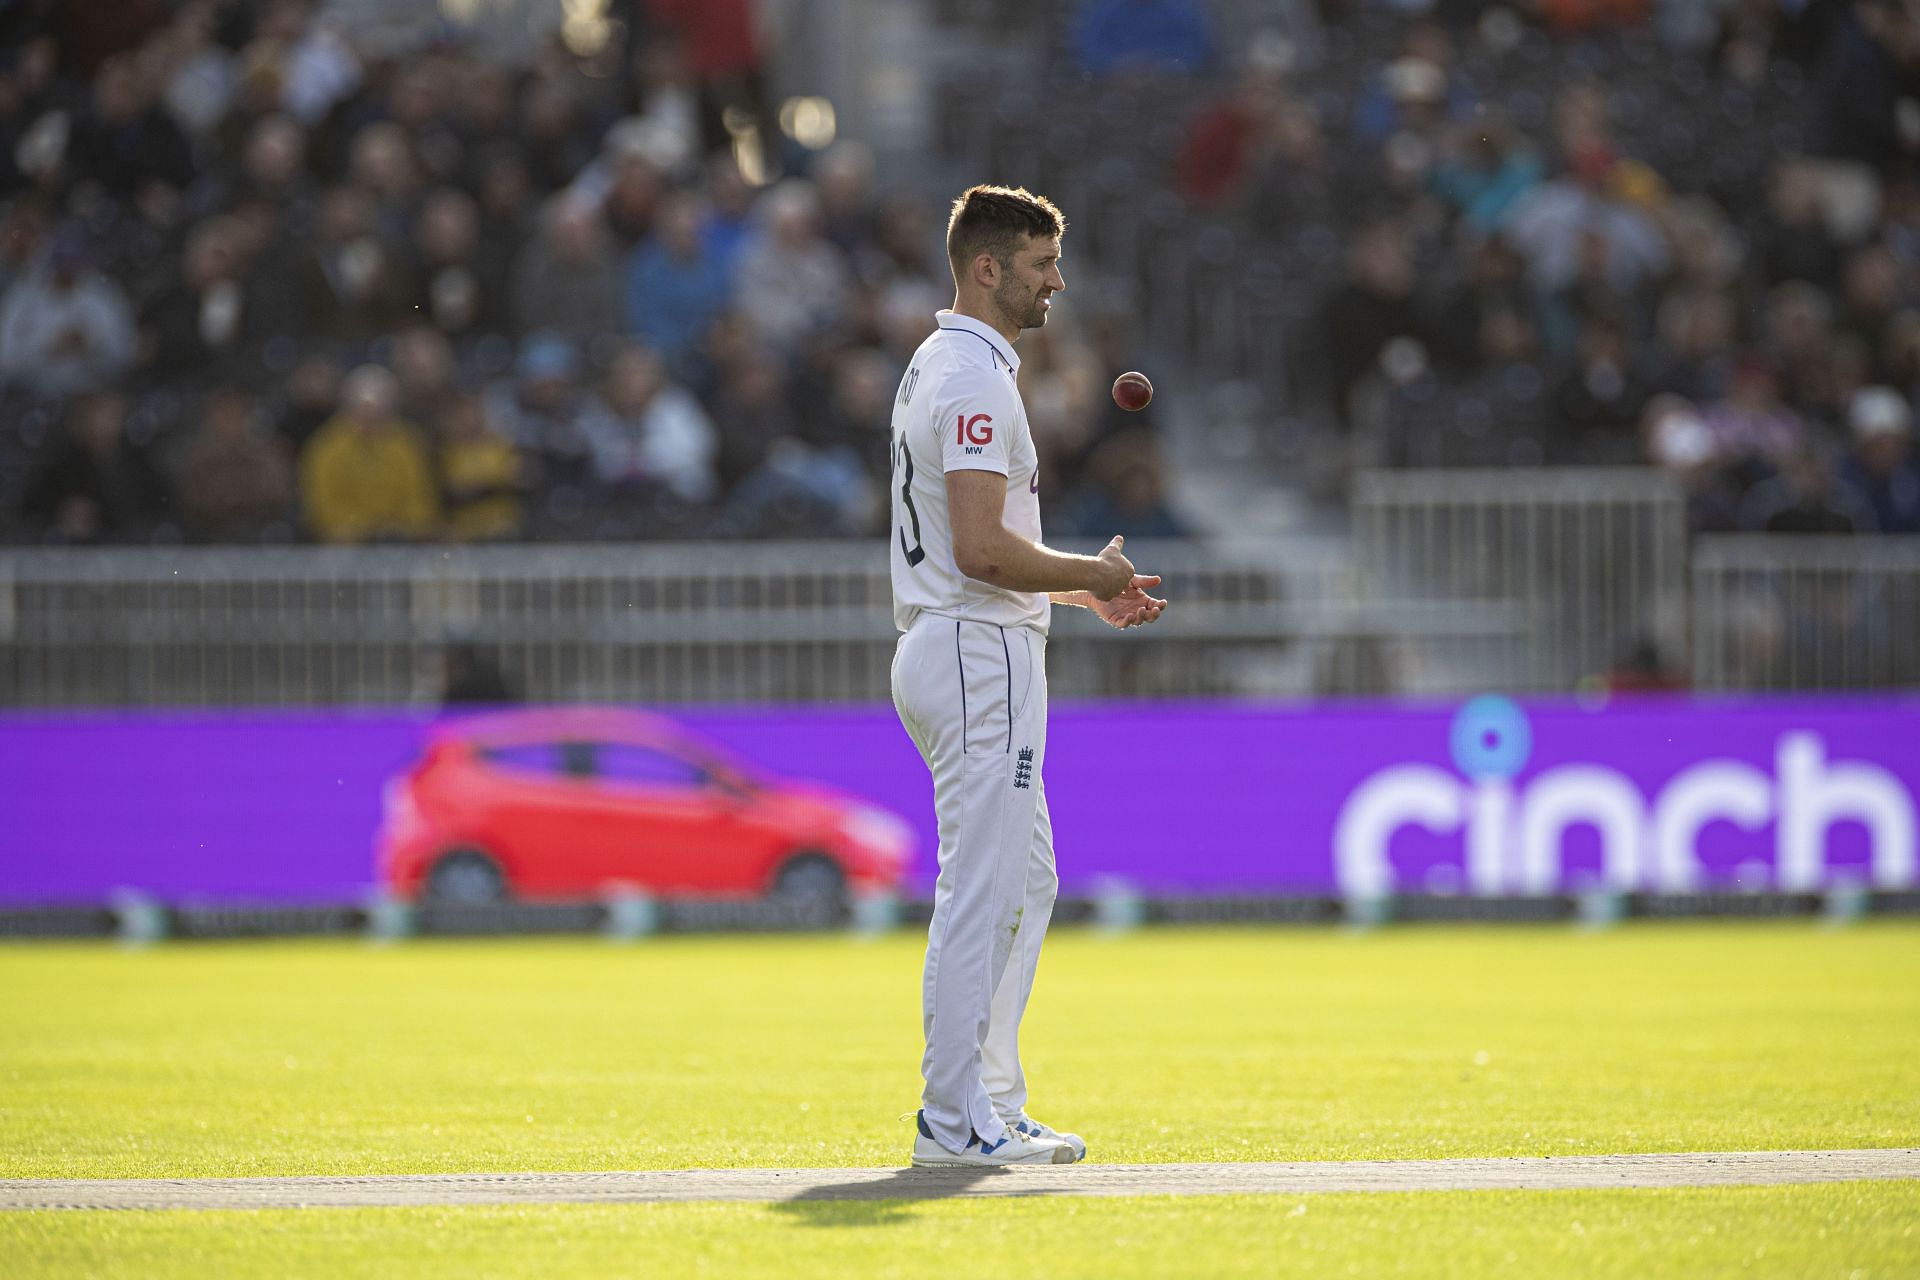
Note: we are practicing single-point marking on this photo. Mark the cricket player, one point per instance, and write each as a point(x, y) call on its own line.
point(973, 587)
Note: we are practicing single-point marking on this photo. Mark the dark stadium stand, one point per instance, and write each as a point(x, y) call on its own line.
point(1470, 235)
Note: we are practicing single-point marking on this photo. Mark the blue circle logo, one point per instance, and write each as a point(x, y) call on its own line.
point(1491, 738)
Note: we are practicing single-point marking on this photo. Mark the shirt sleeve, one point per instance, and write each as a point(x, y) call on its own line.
point(975, 415)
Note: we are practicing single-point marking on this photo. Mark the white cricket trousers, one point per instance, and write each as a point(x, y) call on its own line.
point(973, 696)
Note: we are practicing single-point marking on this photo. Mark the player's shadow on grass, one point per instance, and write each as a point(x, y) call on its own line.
point(867, 1201)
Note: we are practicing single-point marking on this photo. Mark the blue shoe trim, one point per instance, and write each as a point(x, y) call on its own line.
point(920, 1119)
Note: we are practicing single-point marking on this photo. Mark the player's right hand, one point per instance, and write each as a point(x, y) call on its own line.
point(1113, 572)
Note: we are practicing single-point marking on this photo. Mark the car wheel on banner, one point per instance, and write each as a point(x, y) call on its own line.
point(466, 877)
point(811, 879)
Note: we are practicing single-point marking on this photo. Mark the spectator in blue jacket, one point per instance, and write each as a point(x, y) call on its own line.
point(676, 283)
point(1881, 469)
point(1156, 35)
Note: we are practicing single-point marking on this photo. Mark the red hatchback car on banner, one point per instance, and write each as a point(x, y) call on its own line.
point(566, 803)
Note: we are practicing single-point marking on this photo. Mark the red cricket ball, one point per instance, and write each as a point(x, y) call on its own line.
point(1132, 391)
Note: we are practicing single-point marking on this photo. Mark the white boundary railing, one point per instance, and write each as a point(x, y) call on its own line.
point(1598, 556)
point(1807, 612)
point(1451, 582)
point(662, 623)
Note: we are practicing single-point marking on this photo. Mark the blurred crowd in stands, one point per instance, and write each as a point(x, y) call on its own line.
point(259, 285)
point(1677, 232)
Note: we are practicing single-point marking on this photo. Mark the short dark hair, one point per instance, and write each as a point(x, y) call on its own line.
point(989, 219)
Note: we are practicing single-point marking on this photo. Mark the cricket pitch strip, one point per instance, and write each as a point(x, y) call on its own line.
point(1521, 1173)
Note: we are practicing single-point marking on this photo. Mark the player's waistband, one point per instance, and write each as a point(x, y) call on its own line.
point(1034, 628)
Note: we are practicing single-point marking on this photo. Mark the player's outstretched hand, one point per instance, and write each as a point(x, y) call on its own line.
point(1132, 607)
point(1113, 572)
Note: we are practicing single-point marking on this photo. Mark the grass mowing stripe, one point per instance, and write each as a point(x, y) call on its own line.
point(335, 1058)
point(1862, 1231)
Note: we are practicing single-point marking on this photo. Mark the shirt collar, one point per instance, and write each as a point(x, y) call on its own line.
point(979, 328)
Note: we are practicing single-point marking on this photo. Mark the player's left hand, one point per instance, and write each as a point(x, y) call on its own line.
point(1132, 607)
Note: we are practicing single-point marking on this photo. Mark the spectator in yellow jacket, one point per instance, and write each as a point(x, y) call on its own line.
point(481, 474)
point(365, 476)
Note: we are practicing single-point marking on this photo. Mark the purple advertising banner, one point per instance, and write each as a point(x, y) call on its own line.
point(1482, 797)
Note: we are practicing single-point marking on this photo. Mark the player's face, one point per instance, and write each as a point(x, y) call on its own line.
point(1031, 279)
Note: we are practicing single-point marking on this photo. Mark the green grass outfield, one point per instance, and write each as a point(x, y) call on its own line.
point(293, 1058)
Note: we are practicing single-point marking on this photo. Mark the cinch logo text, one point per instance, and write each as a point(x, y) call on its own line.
point(969, 431)
point(1511, 834)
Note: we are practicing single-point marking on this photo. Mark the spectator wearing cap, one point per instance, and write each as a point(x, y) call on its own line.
point(540, 411)
point(1681, 445)
point(65, 328)
point(364, 477)
point(235, 483)
point(1881, 468)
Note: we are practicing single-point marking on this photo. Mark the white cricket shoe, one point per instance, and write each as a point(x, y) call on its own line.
point(1013, 1148)
point(1026, 1125)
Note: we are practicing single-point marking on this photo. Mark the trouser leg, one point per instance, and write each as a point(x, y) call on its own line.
point(963, 697)
point(1005, 1079)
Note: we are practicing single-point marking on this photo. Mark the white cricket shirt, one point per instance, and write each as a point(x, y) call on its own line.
point(959, 409)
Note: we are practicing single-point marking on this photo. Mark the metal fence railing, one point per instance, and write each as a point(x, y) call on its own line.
point(1596, 556)
point(1451, 582)
point(1808, 612)
point(660, 623)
